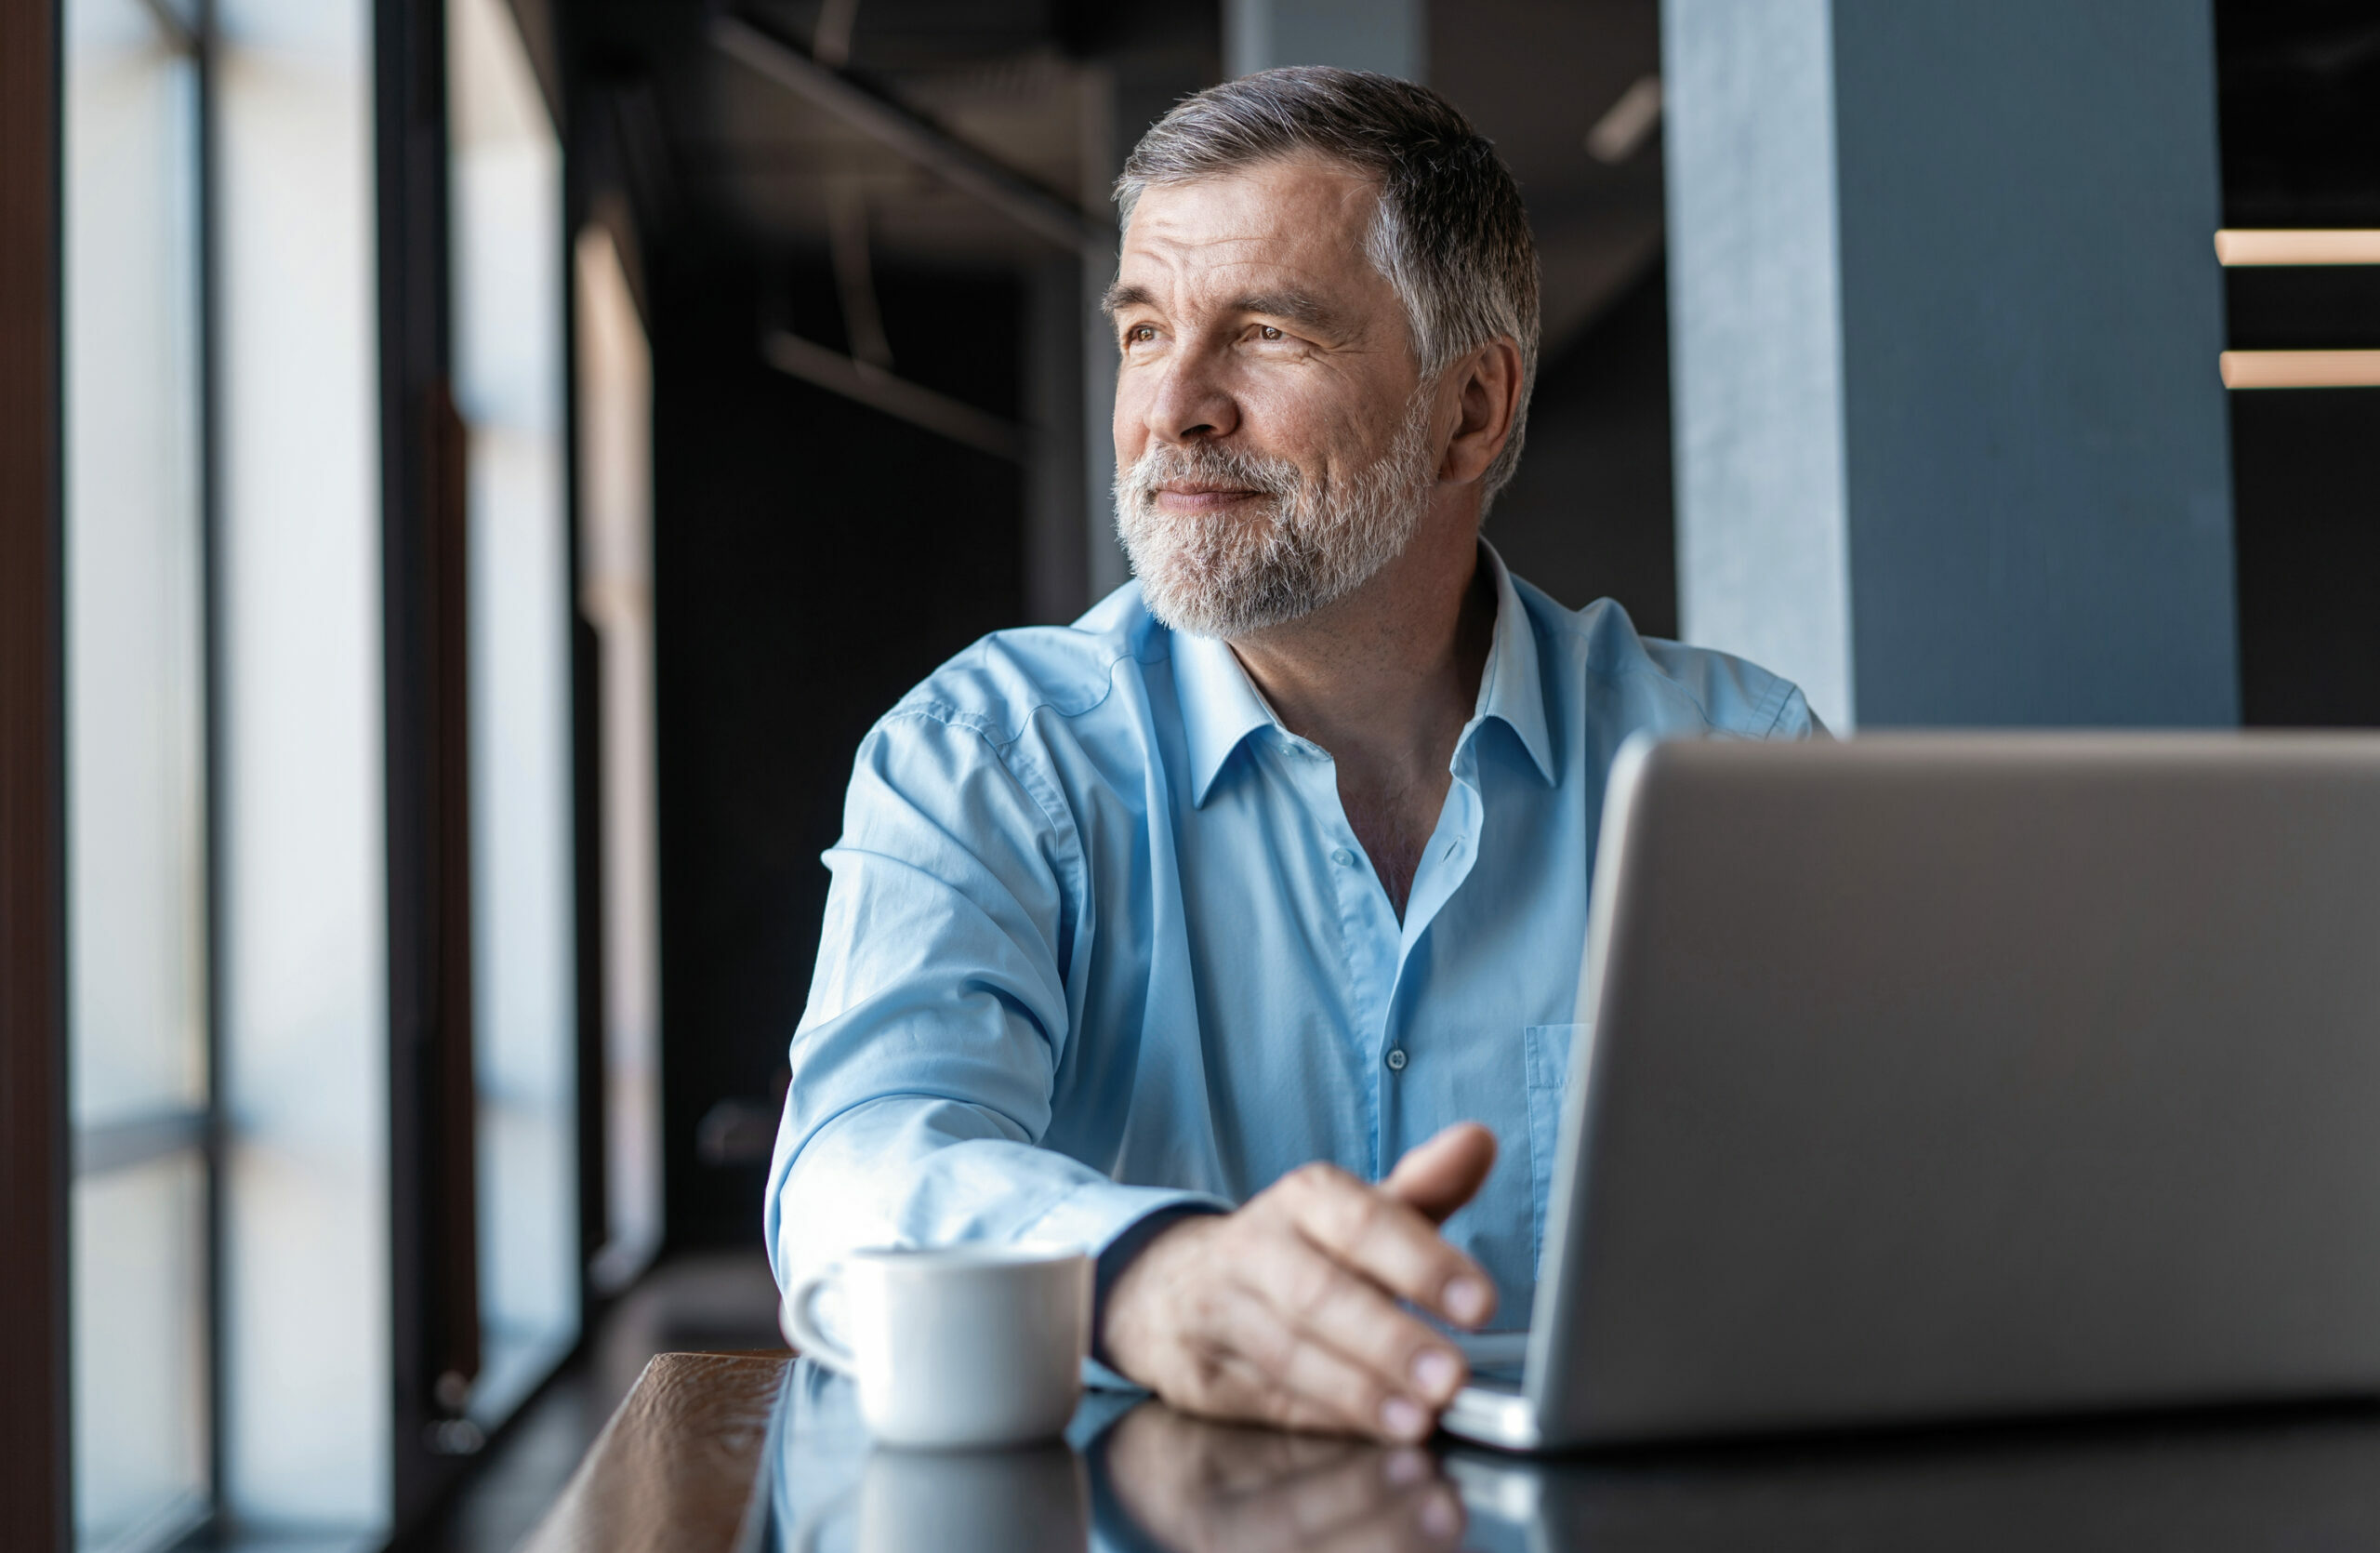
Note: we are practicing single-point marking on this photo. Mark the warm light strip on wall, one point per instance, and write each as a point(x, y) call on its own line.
point(2308, 246)
point(2271, 369)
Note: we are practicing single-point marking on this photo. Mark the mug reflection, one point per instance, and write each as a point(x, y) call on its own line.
point(1001, 1501)
point(1190, 1486)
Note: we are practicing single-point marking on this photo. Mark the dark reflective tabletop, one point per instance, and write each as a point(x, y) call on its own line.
point(1134, 1474)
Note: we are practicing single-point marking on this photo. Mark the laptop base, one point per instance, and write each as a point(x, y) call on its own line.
point(1491, 1414)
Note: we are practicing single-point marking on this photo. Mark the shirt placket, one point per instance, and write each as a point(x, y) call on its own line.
point(1378, 944)
point(1445, 863)
point(1367, 926)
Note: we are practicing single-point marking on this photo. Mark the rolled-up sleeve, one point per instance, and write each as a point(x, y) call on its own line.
point(925, 1065)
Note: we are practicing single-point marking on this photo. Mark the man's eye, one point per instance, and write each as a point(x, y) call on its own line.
point(1140, 334)
point(1269, 332)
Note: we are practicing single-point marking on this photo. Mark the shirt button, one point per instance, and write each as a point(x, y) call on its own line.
point(1396, 1059)
point(1343, 858)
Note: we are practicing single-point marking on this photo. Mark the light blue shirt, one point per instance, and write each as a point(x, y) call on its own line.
point(1101, 941)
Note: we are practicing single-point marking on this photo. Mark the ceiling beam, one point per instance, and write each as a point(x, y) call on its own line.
point(898, 397)
point(929, 145)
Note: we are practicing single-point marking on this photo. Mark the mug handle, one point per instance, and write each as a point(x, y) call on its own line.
point(801, 1328)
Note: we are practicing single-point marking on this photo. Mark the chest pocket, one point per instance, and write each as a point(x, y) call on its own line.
point(1548, 1048)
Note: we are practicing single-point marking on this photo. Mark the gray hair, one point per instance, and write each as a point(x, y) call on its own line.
point(1451, 235)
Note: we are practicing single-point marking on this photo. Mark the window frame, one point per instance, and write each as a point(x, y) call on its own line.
point(34, 1148)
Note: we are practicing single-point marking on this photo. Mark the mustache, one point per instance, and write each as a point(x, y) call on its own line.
point(1207, 464)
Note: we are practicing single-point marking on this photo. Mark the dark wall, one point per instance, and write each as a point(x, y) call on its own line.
point(2299, 85)
point(1588, 515)
point(2306, 473)
point(814, 559)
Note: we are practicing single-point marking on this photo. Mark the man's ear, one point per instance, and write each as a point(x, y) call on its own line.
point(1488, 399)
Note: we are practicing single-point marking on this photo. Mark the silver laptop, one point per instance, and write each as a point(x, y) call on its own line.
point(1954, 1077)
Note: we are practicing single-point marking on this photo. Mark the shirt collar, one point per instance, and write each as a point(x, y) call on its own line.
point(1220, 707)
point(1510, 688)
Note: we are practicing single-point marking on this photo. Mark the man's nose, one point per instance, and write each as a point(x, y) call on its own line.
point(1190, 402)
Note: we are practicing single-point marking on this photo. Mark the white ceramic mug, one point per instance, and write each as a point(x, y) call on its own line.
point(970, 1345)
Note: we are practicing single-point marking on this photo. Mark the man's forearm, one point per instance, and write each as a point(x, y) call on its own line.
point(912, 1170)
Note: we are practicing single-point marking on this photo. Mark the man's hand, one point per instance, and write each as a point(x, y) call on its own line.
point(1285, 1312)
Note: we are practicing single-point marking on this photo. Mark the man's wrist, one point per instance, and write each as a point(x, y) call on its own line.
point(1117, 1259)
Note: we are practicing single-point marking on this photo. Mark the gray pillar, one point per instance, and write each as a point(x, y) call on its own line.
point(1391, 37)
point(1951, 444)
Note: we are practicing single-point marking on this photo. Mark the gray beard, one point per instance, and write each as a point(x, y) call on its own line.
point(1310, 543)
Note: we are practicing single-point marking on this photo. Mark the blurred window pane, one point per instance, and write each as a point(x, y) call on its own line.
point(302, 836)
point(615, 383)
point(507, 279)
point(136, 831)
point(139, 1367)
point(134, 665)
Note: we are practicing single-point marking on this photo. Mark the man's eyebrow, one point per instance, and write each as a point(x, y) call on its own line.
point(1120, 296)
point(1303, 308)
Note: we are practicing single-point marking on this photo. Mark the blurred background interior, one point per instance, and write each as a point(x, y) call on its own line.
point(469, 473)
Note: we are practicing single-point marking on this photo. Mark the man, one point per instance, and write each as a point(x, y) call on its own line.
point(1169, 933)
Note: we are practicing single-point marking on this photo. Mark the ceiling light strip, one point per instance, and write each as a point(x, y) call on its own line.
point(2240, 245)
point(2264, 369)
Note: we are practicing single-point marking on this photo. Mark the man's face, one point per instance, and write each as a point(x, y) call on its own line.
point(1272, 452)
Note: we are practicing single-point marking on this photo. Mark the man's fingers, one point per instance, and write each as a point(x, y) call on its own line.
point(1443, 1174)
point(1334, 1306)
point(1249, 1388)
point(1312, 1357)
point(1387, 1240)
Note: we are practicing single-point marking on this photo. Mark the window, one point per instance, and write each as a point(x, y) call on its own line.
point(614, 372)
point(234, 1232)
point(227, 1003)
point(140, 1067)
point(505, 195)
point(302, 829)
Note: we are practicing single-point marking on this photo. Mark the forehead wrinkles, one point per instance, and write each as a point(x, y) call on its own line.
point(1292, 195)
point(1242, 231)
point(1188, 270)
